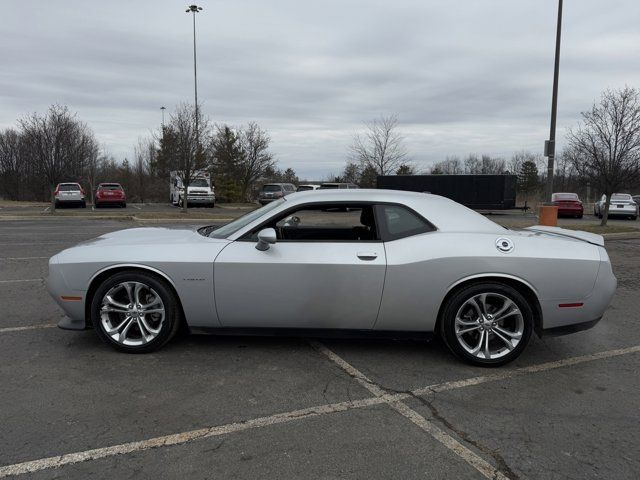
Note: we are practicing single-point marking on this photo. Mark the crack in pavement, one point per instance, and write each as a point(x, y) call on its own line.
point(495, 454)
point(395, 401)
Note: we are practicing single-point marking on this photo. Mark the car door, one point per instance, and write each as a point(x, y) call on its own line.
point(326, 270)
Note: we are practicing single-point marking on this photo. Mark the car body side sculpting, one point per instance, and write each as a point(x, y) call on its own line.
point(365, 283)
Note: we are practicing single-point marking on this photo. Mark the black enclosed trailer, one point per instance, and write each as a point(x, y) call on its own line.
point(480, 192)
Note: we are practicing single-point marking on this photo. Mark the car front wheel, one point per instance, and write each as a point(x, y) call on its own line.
point(487, 324)
point(135, 312)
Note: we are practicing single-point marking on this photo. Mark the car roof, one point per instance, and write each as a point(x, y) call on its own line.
point(443, 212)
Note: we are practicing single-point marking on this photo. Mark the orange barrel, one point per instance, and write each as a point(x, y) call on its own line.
point(548, 215)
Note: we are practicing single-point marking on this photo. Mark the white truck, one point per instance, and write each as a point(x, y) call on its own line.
point(199, 191)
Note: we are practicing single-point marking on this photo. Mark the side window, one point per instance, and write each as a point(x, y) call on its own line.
point(400, 222)
point(325, 223)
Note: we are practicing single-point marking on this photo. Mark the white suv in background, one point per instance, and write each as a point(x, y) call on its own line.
point(69, 194)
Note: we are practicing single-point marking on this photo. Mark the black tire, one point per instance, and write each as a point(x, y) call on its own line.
point(124, 205)
point(84, 204)
point(56, 205)
point(169, 326)
point(579, 216)
point(458, 299)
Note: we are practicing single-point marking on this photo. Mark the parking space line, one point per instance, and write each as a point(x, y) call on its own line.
point(474, 460)
point(181, 438)
point(23, 281)
point(28, 327)
point(136, 207)
point(540, 367)
point(380, 397)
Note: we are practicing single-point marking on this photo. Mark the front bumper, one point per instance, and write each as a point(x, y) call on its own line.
point(68, 323)
point(201, 199)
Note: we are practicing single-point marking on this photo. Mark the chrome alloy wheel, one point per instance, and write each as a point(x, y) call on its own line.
point(489, 325)
point(132, 313)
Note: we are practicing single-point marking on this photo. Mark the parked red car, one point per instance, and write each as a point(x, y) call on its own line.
point(568, 204)
point(110, 194)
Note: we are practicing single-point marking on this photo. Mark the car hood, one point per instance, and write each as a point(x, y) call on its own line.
point(149, 236)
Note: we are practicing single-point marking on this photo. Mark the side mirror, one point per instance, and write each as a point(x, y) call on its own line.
point(266, 237)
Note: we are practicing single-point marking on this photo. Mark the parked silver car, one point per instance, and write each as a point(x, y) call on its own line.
point(370, 261)
point(69, 194)
point(274, 191)
point(621, 205)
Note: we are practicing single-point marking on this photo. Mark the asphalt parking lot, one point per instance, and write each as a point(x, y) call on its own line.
point(232, 407)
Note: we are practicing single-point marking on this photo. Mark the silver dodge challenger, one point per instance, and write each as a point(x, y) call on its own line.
point(345, 262)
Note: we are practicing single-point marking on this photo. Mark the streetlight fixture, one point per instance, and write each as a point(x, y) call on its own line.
point(550, 145)
point(163, 108)
point(195, 9)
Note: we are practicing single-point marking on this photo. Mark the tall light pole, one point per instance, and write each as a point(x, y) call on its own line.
point(550, 145)
point(195, 9)
point(163, 109)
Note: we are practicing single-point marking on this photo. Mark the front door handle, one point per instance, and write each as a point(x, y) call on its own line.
point(367, 255)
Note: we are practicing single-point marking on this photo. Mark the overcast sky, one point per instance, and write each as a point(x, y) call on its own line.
point(465, 76)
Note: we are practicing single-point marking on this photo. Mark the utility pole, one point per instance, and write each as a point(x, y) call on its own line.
point(550, 145)
point(195, 9)
point(163, 109)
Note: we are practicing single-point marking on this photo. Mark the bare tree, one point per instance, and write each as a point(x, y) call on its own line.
point(518, 158)
point(448, 166)
point(380, 147)
point(12, 170)
point(144, 153)
point(606, 142)
point(184, 151)
point(58, 144)
point(256, 158)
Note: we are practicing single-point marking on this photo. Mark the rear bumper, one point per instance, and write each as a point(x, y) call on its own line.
point(568, 329)
point(626, 211)
point(104, 201)
point(570, 211)
point(69, 199)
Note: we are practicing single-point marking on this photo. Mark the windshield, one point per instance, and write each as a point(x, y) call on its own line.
point(271, 188)
point(565, 196)
point(68, 187)
point(110, 186)
point(199, 182)
point(620, 196)
point(304, 188)
point(237, 224)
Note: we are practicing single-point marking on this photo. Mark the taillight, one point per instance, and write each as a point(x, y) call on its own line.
point(82, 190)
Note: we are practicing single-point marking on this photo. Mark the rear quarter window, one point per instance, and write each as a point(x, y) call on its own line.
point(400, 222)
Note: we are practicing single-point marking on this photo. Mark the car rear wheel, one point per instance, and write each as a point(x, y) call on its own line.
point(135, 312)
point(487, 324)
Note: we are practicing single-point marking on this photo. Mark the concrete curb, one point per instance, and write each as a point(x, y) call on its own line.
point(622, 236)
